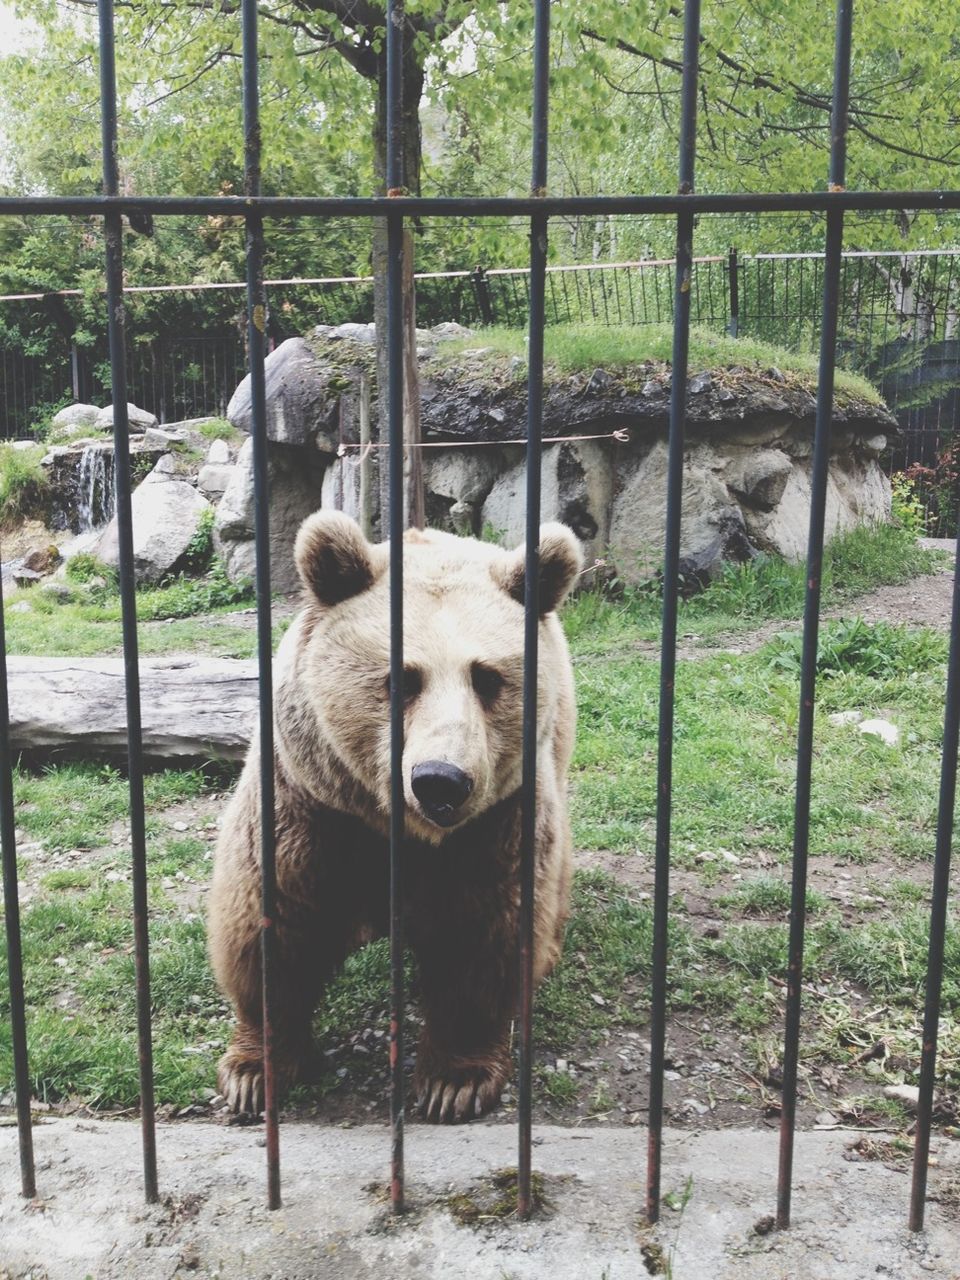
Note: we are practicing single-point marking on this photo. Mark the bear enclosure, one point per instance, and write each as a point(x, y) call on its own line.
point(395, 209)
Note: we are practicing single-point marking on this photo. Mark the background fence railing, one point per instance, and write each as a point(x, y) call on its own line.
point(899, 325)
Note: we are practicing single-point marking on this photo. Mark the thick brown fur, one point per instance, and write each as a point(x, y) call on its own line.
point(332, 771)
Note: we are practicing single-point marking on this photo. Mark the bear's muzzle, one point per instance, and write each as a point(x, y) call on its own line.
point(441, 790)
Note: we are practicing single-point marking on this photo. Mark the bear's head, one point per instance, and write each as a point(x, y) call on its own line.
point(463, 633)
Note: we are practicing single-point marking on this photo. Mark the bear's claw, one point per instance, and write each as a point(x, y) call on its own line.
point(240, 1081)
point(443, 1101)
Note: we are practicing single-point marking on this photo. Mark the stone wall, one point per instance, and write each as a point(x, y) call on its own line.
point(746, 473)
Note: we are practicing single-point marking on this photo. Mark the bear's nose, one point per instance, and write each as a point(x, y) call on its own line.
point(441, 789)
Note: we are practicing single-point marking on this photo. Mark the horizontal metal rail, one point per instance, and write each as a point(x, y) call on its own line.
point(480, 206)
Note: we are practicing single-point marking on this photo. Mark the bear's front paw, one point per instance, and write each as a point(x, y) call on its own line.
point(240, 1080)
point(456, 1093)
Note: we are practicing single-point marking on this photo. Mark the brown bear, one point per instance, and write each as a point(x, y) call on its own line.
point(463, 676)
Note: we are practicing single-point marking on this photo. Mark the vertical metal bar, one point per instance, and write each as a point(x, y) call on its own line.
point(811, 613)
point(116, 326)
point(733, 273)
point(671, 574)
point(11, 912)
point(395, 181)
point(256, 328)
point(531, 603)
point(938, 914)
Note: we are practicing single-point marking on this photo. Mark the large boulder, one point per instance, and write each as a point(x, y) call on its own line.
point(711, 524)
point(746, 469)
point(166, 514)
point(302, 395)
point(75, 418)
point(138, 419)
point(295, 478)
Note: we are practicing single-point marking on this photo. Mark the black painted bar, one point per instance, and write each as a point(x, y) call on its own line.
point(938, 914)
point(11, 914)
point(116, 323)
point(671, 590)
point(531, 602)
point(256, 329)
point(480, 206)
point(811, 613)
point(395, 181)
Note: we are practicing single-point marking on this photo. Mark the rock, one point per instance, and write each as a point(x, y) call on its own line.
point(139, 419)
point(449, 329)
point(908, 1094)
point(219, 454)
point(845, 717)
point(699, 383)
point(365, 333)
point(164, 436)
point(26, 577)
point(20, 446)
point(76, 417)
point(166, 514)
point(600, 380)
point(711, 524)
point(191, 707)
point(302, 407)
point(214, 479)
point(165, 466)
point(42, 559)
point(21, 606)
point(759, 476)
point(576, 488)
point(873, 446)
point(463, 519)
point(296, 476)
point(883, 729)
point(466, 475)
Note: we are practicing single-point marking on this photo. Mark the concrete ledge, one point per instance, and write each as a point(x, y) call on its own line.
point(849, 1216)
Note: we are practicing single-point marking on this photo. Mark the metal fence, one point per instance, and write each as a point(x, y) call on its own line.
point(539, 208)
point(898, 325)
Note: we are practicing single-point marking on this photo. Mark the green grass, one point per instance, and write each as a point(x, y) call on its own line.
point(733, 775)
point(22, 483)
point(220, 429)
point(743, 595)
point(173, 618)
point(569, 348)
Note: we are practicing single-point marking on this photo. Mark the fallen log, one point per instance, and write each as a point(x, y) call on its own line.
point(192, 708)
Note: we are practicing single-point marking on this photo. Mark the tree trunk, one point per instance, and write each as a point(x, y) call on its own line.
point(410, 168)
point(193, 708)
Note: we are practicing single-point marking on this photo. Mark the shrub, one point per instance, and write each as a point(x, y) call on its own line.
point(199, 552)
point(909, 511)
point(23, 483)
point(877, 649)
point(85, 567)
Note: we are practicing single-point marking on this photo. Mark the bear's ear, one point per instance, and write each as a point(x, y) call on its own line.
point(333, 558)
point(560, 562)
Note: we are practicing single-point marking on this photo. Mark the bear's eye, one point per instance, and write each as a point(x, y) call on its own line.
point(486, 682)
point(412, 684)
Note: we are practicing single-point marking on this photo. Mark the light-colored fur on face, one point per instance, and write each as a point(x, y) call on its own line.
point(463, 645)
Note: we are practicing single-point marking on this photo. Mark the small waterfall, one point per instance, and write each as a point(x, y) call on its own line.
point(96, 497)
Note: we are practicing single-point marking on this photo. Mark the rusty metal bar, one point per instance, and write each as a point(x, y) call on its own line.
point(531, 603)
point(395, 180)
point(256, 328)
point(938, 914)
point(671, 593)
point(811, 614)
point(116, 322)
point(11, 913)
